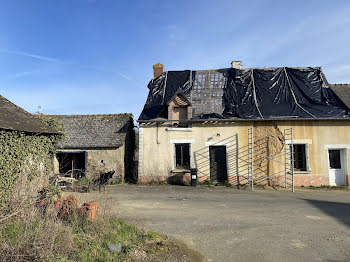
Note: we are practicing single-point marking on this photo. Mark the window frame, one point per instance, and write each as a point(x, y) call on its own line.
point(307, 158)
point(173, 150)
point(182, 166)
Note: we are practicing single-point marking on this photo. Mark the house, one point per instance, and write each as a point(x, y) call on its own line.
point(96, 144)
point(278, 126)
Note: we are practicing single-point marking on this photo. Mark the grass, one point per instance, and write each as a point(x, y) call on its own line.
point(326, 187)
point(93, 246)
point(42, 239)
point(38, 235)
point(212, 184)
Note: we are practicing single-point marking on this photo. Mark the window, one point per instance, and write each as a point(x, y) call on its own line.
point(180, 114)
point(182, 156)
point(334, 159)
point(178, 111)
point(300, 157)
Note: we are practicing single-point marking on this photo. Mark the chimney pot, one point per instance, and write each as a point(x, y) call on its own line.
point(158, 69)
point(236, 64)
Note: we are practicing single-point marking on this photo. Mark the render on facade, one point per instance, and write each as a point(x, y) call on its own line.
point(96, 144)
point(228, 124)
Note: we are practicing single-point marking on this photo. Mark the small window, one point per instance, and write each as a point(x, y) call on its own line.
point(334, 159)
point(178, 111)
point(182, 156)
point(300, 157)
point(180, 114)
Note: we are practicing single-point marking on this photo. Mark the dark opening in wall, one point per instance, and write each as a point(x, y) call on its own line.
point(182, 156)
point(72, 164)
point(300, 157)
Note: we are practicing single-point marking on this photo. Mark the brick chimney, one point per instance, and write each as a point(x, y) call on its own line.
point(158, 69)
point(236, 64)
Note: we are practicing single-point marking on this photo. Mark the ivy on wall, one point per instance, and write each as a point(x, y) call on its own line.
point(22, 151)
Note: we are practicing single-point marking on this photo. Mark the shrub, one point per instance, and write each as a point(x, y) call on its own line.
point(35, 239)
point(23, 154)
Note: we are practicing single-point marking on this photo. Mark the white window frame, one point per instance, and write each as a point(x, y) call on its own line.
point(181, 141)
point(305, 142)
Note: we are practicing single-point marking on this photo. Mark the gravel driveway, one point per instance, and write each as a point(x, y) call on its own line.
point(238, 225)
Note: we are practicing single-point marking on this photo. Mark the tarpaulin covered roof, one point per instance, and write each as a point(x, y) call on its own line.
point(13, 117)
point(249, 93)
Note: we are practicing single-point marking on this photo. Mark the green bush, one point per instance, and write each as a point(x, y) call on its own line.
point(22, 152)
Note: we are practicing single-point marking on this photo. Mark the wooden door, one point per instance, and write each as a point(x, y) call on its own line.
point(218, 163)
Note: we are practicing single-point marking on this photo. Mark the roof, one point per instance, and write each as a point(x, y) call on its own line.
point(343, 92)
point(13, 117)
point(94, 131)
point(247, 93)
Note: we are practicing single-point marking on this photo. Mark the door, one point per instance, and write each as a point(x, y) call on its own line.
point(218, 163)
point(336, 167)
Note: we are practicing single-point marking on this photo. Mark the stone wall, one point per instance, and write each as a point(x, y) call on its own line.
point(113, 159)
point(100, 161)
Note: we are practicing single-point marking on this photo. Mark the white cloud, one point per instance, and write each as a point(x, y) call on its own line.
point(31, 55)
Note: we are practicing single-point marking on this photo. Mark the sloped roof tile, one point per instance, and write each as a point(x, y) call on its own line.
point(94, 131)
point(13, 117)
point(343, 92)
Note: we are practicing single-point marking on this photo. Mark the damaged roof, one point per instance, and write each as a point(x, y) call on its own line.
point(13, 117)
point(94, 131)
point(247, 93)
point(343, 92)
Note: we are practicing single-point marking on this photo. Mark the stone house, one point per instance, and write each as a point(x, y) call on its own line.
point(278, 126)
point(96, 144)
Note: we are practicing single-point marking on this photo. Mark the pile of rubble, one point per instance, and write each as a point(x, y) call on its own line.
point(67, 208)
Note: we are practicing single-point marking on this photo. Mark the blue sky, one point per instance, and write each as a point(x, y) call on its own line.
point(96, 56)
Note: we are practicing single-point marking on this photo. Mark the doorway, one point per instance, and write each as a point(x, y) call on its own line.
point(218, 163)
point(72, 164)
point(336, 167)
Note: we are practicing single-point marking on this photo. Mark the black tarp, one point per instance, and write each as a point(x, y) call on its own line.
point(162, 89)
point(254, 94)
point(280, 93)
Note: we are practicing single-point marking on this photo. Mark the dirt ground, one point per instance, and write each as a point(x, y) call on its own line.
point(226, 224)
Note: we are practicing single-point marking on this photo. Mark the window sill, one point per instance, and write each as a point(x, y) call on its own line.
point(180, 170)
point(183, 129)
point(302, 172)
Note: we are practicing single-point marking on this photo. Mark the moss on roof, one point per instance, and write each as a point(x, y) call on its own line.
point(94, 131)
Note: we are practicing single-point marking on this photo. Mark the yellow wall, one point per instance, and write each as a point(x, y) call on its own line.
point(157, 151)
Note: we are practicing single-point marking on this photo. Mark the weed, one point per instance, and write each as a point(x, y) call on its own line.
point(207, 182)
point(115, 182)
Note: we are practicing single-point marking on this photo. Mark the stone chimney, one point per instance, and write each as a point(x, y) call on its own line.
point(236, 64)
point(158, 69)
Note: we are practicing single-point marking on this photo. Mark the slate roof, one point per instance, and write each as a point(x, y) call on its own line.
point(94, 131)
point(343, 92)
point(13, 117)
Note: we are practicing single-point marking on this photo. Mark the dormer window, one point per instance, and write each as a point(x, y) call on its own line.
point(179, 111)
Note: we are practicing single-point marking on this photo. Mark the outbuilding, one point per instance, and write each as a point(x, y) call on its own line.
point(96, 144)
